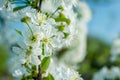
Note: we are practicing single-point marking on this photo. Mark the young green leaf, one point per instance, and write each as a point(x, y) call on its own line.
point(29, 77)
point(34, 67)
point(19, 32)
point(62, 18)
point(66, 35)
point(58, 19)
point(18, 8)
point(45, 78)
point(45, 63)
point(49, 77)
point(60, 27)
point(33, 4)
point(61, 15)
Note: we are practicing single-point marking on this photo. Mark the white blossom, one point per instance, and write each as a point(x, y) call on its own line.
point(41, 37)
point(107, 73)
point(79, 33)
point(115, 51)
point(62, 72)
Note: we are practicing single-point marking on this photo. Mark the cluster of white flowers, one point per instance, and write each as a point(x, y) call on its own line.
point(62, 72)
point(58, 25)
point(78, 43)
point(105, 73)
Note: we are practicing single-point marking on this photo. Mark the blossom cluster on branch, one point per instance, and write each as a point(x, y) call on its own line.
point(49, 25)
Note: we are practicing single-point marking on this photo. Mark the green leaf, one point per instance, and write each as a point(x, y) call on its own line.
point(61, 15)
point(49, 77)
point(45, 78)
point(33, 4)
point(58, 19)
point(28, 69)
point(34, 67)
point(34, 73)
point(60, 27)
point(45, 63)
point(19, 32)
point(66, 35)
point(29, 77)
point(62, 18)
point(18, 8)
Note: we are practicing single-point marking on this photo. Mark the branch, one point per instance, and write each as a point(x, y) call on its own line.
point(39, 6)
point(40, 73)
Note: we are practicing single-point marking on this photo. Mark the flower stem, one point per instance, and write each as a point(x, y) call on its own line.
point(54, 12)
point(30, 28)
point(59, 8)
point(43, 48)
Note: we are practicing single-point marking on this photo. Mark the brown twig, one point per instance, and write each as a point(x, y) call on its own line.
point(40, 73)
point(39, 70)
point(39, 6)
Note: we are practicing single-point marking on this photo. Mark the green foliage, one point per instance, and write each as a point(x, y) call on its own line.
point(29, 77)
point(66, 35)
point(60, 27)
point(34, 67)
point(49, 77)
point(45, 63)
point(62, 18)
point(19, 8)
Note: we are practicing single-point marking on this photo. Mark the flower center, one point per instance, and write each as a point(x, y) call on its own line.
point(33, 38)
point(46, 41)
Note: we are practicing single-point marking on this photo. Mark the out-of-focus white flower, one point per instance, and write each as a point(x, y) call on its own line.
point(53, 4)
point(107, 73)
point(79, 31)
point(17, 73)
point(2, 3)
point(115, 51)
point(16, 68)
point(62, 72)
point(7, 9)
